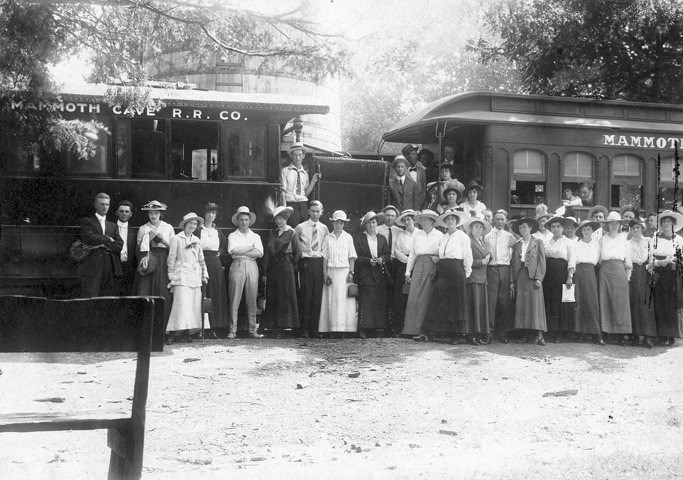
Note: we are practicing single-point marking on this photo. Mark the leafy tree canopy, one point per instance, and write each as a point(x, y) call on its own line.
point(608, 49)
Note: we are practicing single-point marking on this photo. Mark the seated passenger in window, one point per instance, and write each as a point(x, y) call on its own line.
point(569, 196)
point(586, 194)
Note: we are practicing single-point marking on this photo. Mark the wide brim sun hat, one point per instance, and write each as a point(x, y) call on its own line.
point(283, 211)
point(339, 215)
point(372, 216)
point(406, 213)
point(462, 217)
point(532, 222)
point(593, 224)
point(154, 206)
point(426, 214)
point(188, 217)
point(240, 211)
point(561, 220)
point(472, 220)
point(452, 189)
point(676, 217)
point(597, 208)
point(614, 217)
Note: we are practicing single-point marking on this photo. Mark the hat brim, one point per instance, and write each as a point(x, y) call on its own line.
point(441, 221)
point(252, 218)
point(377, 216)
point(561, 220)
point(285, 213)
point(183, 222)
point(400, 160)
point(597, 208)
point(345, 220)
point(594, 225)
point(677, 219)
point(216, 209)
point(532, 222)
point(472, 220)
point(420, 217)
point(403, 216)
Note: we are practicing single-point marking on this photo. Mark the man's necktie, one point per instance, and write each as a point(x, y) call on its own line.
point(390, 237)
point(298, 182)
point(314, 240)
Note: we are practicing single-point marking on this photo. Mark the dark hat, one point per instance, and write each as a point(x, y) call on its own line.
point(451, 189)
point(473, 185)
point(407, 149)
point(587, 223)
point(529, 221)
point(209, 207)
point(561, 220)
point(372, 216)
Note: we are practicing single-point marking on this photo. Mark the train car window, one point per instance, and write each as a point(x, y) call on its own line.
point(528, 178)
point(194, 150)
point(667, 184)
point(577, 179)
point(97, 164)
point(627, 181)
point(14, 158)
point(147, 151)
point(245, 152)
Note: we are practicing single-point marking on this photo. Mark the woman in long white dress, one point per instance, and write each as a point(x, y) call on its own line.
point(186, 272)
point(338, 311)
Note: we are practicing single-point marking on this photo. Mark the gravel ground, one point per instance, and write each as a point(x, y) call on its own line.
point(372, 409)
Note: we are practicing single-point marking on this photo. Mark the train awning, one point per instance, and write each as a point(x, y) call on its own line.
point(487, 108)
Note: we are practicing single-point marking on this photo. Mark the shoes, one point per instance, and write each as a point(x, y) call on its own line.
point(471, 340)
point(231, 335)
point(486, 340)
point(255, 335)
point(169, 340)
point(210, 334)
point(362, 334)
point(303, 335)
point(556, 340)
point(601, 342)
point(621, 341)
point(502, 340)
point(635, 340)
point(421, 338)
point(647, 342)
point(540, 341)
point(187, 339)
point(672, 341)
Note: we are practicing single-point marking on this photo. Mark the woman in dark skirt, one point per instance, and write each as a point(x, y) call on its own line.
point(528, 271)
point(642, 304)
point(214, 245)
point(560, 256)
point(668, 291)
point(586, 305)
point(154, 239)
point(282, 252)
point(476, 327)
point(371, 275)
point(447, 314)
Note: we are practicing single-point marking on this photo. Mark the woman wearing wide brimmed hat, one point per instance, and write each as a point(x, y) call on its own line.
point(187, 273)
point(477, 320)
point(472, 206)
point(154, 238)
point(668, 291)
point(420, 271)
point(215, 247)
point(570, 225)
point(338, 310)
point(640, 294)
point(403, 243)
point(447, 313)
point(586, 304)
point(282, 252)
point(371, 275)
point(560, 255)
point(543, 233)
point(526, 279)
point(613, 278)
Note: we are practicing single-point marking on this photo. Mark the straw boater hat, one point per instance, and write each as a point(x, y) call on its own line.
point(297, 146)
point(533, 223)
point(241, 210)
point(462, 217)
point(614, 217)
point(473, 185)
point(399, 159)
point(283, 211)
point(409, 212)
point(191, 216)
point(425, 214)
point(339, 215)
point(211, 207)
point(372, 216)
point(390, 207)
point(451, 189)
point(473, 220)
point(597, 208)
point(677, 219)
point(154, 206)
point(586, 223)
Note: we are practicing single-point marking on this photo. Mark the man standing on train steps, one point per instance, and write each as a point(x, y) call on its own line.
point(416, 172)
point(311, 235)
point(402, 188)
point(296, 185)
point(127, 255)
point(98, 271)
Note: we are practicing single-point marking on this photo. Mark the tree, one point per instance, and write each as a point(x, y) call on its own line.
point(607, 49)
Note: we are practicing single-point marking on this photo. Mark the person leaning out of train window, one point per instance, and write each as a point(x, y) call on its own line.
point(296, 186)
point(403, 189)
point(526, 279)
point(668, 289)
point(472, 206)
point(569, 197)
point(416, 171)
point(586, 194)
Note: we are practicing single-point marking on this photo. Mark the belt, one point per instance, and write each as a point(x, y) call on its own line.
point(312, 258)
point(243, 258)
point(218, 254)
point(497, 266)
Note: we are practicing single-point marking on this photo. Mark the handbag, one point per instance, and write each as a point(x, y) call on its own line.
point(352, 290)
point(406, 289)
point(568, 294)
point(152, 264)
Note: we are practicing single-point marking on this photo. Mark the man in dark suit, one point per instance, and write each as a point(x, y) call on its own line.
point(127, 255)
point(98, 271)
point(416, 172)
point(404, 191)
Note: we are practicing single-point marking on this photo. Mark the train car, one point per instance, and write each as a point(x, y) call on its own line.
point(530, 149)
point(200, 146)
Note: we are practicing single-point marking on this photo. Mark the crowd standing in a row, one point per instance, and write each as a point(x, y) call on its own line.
point(456, 270)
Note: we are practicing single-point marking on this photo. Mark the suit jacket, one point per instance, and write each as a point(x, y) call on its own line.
point(364, 272)
point(404, 196)
point(421, 184)
point(478, 274)
point(99, 258)
point(534, 259)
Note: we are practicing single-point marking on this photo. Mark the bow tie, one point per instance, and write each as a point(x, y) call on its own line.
point(412, 169)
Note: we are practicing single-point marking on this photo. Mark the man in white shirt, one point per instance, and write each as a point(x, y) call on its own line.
point(499, 242)
point(244, 246)
point(296, 185)
point(311, 235)
point(390, 231)
point(125, 281)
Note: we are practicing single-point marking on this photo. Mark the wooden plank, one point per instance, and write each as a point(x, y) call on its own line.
point(48, 422)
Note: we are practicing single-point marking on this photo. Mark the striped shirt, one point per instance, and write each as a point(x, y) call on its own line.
point(337, 251)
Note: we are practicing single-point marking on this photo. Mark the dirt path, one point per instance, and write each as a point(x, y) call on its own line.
point(374, 409)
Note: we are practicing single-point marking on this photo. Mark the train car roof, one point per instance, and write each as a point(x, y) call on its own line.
point(489, 108)
point(295, 104)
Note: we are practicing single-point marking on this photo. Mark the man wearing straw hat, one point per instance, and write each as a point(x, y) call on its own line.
point(244, 246)
point(296, 185)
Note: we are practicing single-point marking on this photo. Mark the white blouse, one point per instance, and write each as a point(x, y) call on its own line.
point(209, 239)
point(478, 208)
point(665, 247)
point(403, 242)
point(588, 252)
point(338, 251)
point(423, 244)
point(615, 249)
point(164, 232)
point(640, 251)
point(459, 246)
point(562, 248)
point(372, 243)
point(543, 236)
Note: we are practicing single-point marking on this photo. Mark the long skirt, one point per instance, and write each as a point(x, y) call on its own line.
point(642, 303)
point(615, 308)
point(282, 310)
point(559, 315)
point(337, 311)
point(216, 291)
point(477, 319)
point(186, 313)
point(400, 299)
point(447, 312)
point(156, 283)
point(587, 306)
point(529, 305)
point(668, 298)
point(421, 286)
point(372, 305)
